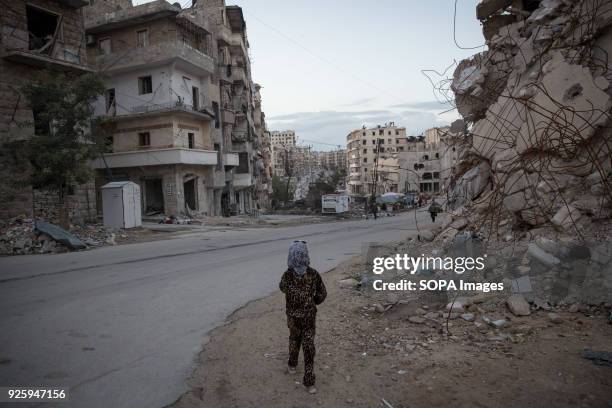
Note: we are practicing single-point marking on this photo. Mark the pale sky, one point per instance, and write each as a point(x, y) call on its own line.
point(330, 66)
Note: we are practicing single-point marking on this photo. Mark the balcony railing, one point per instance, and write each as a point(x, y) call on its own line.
point(168, 50)
point(176, 105)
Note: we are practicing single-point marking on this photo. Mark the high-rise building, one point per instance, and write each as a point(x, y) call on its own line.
point(372, 159)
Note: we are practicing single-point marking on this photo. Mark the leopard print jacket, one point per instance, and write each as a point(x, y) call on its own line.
point(302, 294)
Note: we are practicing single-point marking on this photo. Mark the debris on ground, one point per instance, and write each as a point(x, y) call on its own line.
point(23, 236)
point(601, 358)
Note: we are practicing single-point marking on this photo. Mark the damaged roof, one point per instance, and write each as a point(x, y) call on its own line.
point(131, 16)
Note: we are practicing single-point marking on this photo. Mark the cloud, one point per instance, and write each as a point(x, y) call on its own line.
point(363, 101)
point(424, 105)
point(325, 129)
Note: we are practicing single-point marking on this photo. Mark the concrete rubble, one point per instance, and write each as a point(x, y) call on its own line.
point(538, 173)
point(19, 236)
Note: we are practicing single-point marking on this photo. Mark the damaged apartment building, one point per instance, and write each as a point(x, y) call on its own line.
point(185, 117)
point(37, 35)
point(384, 160)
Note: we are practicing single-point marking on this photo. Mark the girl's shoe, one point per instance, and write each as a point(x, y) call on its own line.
point(291, 370)
point(312, 389)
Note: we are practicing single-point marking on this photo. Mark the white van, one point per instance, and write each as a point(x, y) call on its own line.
point(334, 204)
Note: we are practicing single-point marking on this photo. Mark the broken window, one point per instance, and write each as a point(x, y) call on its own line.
point(109, 96)
point(44, 28)
point(195, 95)
point(191, 140)
point(364, 142)
point(365, 159)
point(365, 151)
point(145, 85)
point(142, 38)
point(243, 163)
point(144, 139)
point(215, 108)
point(105, 46)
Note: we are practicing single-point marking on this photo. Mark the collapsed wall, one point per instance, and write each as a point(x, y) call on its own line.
point(537, 103)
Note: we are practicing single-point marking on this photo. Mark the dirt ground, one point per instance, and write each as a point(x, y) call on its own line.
point(364, 356)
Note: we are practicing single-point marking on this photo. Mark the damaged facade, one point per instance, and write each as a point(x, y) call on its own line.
point(403, 164)
point(187, 124)
point(537, 104)
point(371, 147)
point(37, 35)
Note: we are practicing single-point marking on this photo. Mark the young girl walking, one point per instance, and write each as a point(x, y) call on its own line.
point(304, 290)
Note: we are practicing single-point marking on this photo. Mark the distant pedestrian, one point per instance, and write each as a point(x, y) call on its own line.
point(304, 290)
point(373, 207)
point(434, 209)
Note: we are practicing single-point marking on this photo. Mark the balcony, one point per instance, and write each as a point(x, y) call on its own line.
point(230, 159)
point(151, 109)
point(157, 157)
point(228, 116)
point(186, 57)
point(239, 75)
point(242, 180)
point(224, 35)
point(237, 43)
point(57, 56)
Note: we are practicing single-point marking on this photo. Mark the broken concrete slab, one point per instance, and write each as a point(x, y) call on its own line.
point(518, 305)
point(60, 235)
point(348, 283)
point(566, 217)
point(542, 256)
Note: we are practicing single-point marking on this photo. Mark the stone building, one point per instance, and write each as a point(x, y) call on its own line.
point(429, 162)
point(182, 104)
point(332, 160)
point(262, 171)
point(37, 35)
point(365, 148)
point(283, 144)
point(283, 137)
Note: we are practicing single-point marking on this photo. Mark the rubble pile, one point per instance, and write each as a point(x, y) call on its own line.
point(487, 322)
point(539, 170)
point(18, 236)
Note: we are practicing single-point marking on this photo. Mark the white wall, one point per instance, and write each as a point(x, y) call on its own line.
point(168, 83)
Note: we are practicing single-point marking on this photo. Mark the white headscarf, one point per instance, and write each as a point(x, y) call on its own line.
point(298, 258)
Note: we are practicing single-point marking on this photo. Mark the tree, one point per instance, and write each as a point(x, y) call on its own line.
point(325, 184)
point(280, 192)
point(59, 152)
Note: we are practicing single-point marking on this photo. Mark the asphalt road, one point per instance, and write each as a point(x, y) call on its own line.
point(121, 326)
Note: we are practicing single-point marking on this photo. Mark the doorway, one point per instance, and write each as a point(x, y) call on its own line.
point(154, 197)
point(189, 188)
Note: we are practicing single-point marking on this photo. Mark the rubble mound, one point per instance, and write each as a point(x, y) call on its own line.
point(538, 173)
point(19, 236)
